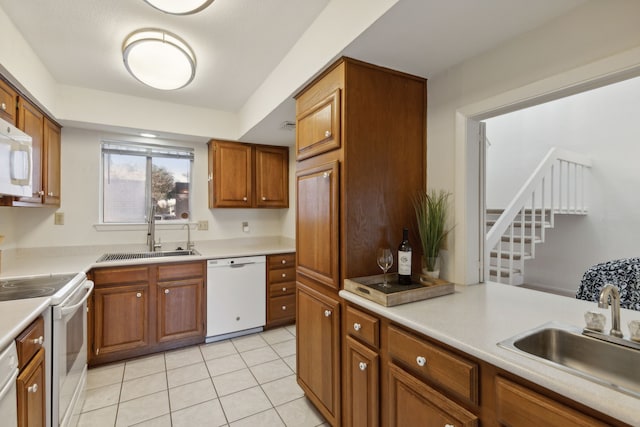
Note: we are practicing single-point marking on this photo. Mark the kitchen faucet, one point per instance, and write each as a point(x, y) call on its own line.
point(190, 244)
point(609, 295)
point(151, 230)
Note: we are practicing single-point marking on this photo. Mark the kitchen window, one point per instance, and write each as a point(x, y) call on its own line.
point(138, 175)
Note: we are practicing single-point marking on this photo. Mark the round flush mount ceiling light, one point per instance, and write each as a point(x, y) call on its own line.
point(159, 59)
point(179, 7)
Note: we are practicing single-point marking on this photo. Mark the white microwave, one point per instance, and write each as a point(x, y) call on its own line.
point(15, 161)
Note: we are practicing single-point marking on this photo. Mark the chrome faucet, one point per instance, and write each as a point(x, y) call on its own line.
point(190, 244)
point(609, 295)
point(151, 230)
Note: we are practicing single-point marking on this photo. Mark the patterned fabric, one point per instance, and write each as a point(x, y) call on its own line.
point(623, 273)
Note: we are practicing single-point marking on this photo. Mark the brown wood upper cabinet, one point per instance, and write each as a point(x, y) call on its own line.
point(46, 140)
point(8, 98)
point(318, 127)
point(248, 175)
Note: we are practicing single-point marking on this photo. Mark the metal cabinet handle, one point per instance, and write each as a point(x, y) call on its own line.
point(327, 133)
point(284, 261)
point(362, 366)
point(284, 275)
point(244, 199)
point(421, 361)
point(284, 308)
point(284, 289)
point(50, 193)
point(327, 313)
point(326, 174)
point(138, 295)
point(166, 291)
point(449, 425)
point(38, 340)
point(4, 106)
point(209, 178)
point(357, 326)
point(264, 198)
point(32, 388)
point(40, 193)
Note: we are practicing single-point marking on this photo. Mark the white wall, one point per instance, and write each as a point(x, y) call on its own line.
point(602, 124)
point(34, 227)
point(592, 42)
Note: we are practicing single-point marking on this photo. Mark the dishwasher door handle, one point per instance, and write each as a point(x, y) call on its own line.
point(240, 265)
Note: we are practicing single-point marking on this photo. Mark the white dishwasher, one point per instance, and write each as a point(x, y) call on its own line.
point(236, 297)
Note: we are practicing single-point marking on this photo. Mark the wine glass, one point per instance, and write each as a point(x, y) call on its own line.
point(385, 261)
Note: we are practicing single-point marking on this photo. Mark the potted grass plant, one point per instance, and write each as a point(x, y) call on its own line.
point(432, 209)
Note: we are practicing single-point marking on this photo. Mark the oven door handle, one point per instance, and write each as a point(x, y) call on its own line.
point(66, 310)
point(11, 383)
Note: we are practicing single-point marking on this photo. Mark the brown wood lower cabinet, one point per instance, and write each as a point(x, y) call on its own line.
point(32, 393)
point(31, 390)
point(281, 289)
point(142, 309)
point(409, 379)
point(318, 350)
point(176, 315)
point(361, 374)
point(412, 403)
point(120, 318)
point(520, 406)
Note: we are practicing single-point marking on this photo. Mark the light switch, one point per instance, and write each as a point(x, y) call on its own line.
point(58, 218)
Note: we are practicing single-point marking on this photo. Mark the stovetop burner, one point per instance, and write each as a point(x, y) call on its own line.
point(32, 287)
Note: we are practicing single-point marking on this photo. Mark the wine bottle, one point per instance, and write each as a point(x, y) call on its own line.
point(404, 259)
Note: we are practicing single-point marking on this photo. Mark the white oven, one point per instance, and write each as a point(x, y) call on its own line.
point(69, 355)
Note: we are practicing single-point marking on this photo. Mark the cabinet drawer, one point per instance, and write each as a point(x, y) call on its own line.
point(282, 275)
point(362, 326)
point(281, 261)
point(280, 289)
point(120, 275)
point(434, 363)
point(30, 341)
point(180, 271)
point(519, 406)
point(282, 307)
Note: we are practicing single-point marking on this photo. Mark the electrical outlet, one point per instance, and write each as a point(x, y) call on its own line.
point(58, 218)
point(245, 226)
point(203, 225)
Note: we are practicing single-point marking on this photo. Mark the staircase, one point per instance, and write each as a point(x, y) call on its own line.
point(556, 186)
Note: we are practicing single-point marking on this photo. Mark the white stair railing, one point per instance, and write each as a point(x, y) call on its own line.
point(557, 185)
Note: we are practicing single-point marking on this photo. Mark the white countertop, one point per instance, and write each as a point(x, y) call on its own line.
point(476, 317)
point(74, 259)
point(15, 316)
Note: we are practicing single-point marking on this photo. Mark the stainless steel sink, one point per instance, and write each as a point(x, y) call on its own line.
point(566, 348)
point(141, 255)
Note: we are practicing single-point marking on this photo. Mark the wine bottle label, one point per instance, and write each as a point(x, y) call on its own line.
point(404, 263)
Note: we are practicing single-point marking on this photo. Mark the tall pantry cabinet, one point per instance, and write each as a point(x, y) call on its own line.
point(361, 154)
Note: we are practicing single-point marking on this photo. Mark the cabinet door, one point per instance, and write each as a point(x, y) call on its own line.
point(120, 321)
point(272, 177)
point(318, 350)
point(318, 128)
point(361, 385)
point(414, 404)
point(317, 223)
point(232, 175)
point(180, 309)
point(31, 122)
point(51, 163)
point(31, 393)
point(8, 98)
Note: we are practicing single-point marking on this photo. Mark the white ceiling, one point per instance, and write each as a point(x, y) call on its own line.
point(238, 43)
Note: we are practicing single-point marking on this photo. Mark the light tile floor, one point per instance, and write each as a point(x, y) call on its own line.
point(244, 381)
